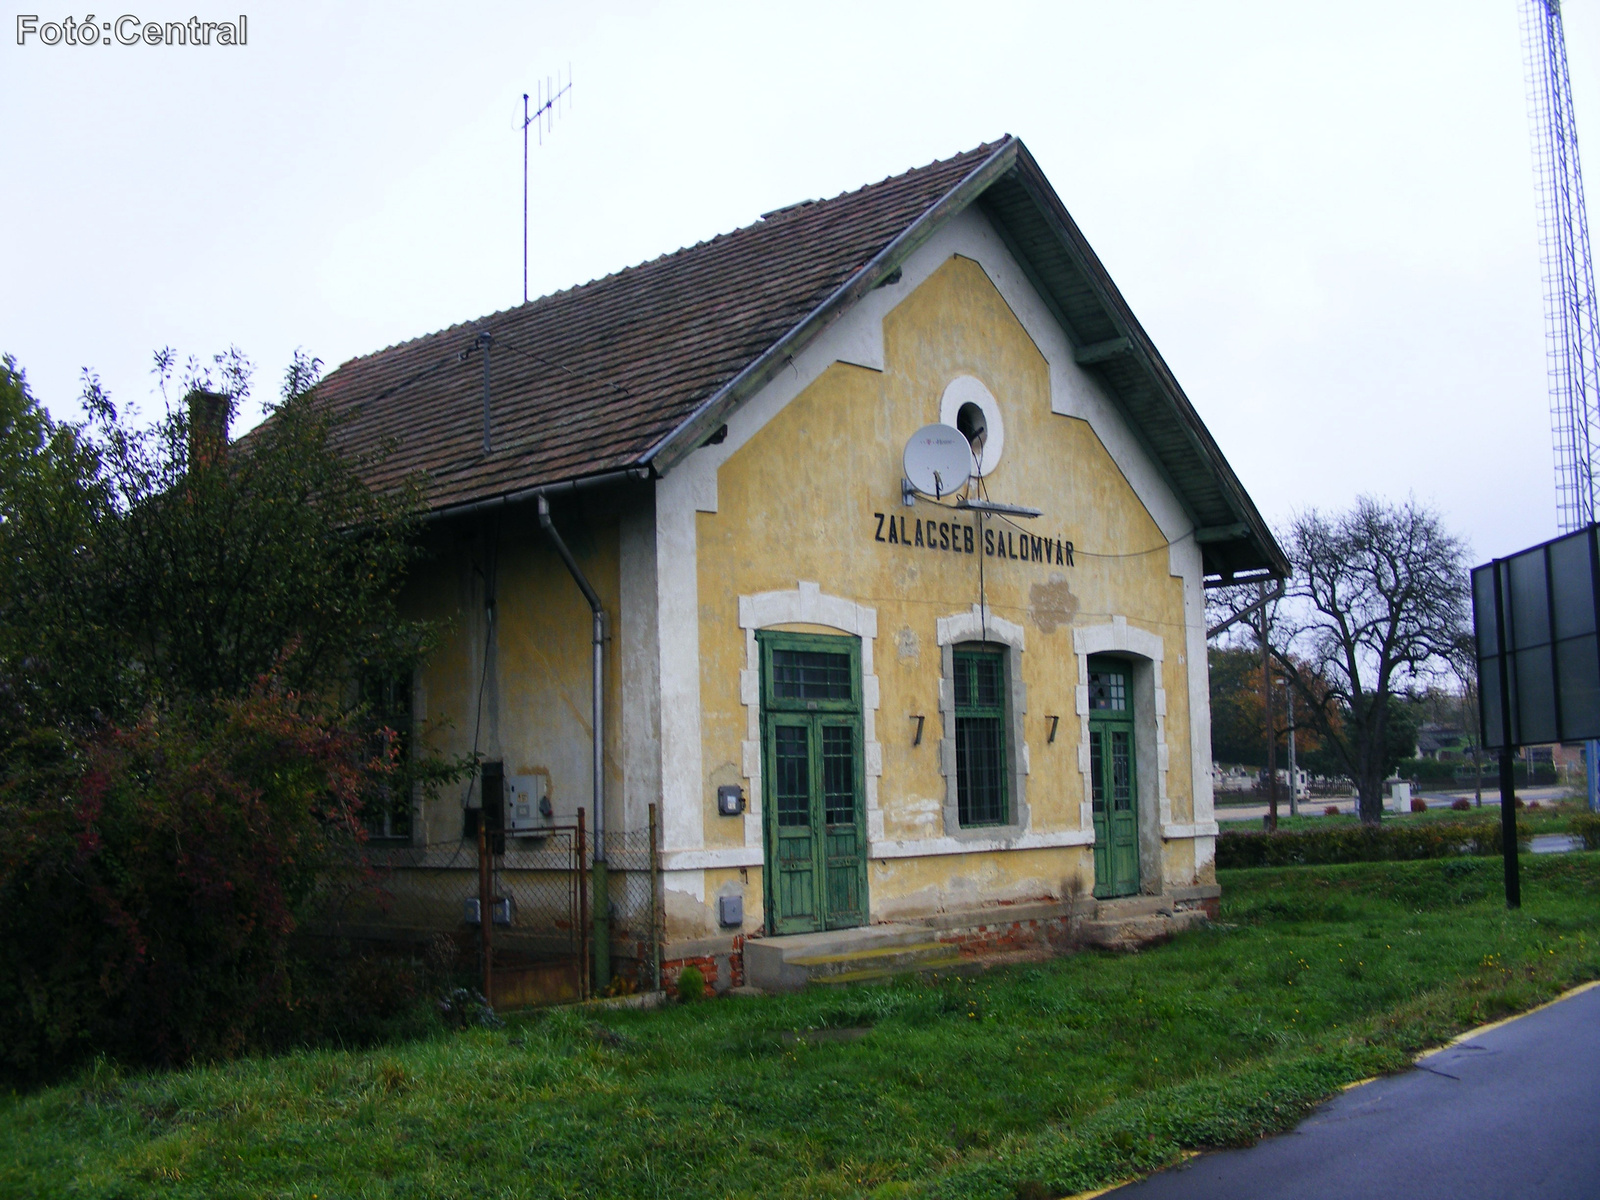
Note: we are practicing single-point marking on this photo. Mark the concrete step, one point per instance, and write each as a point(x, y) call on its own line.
point(1124, 907)
point(843, 956)
point(1130, 932)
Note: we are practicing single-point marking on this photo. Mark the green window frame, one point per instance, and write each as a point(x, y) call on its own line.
point(803, 672)
point(982, 735)
point(388, 703)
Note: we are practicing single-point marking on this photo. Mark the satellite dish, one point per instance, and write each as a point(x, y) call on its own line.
point(938, 460)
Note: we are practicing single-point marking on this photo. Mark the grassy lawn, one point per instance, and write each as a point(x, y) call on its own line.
point(1020, 1082)
point(1549, 817)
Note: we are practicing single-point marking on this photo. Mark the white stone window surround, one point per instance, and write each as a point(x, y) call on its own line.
point(807, 604)
point(979, 625)
point(1148, 650)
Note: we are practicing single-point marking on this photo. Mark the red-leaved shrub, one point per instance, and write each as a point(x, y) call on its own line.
point(1461, 804)
point(151, 877)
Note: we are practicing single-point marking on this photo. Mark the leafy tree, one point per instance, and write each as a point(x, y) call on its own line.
point(54, 616)
point(1237, 732)
point(164, 565)
point(185, 746)
point(1377, 606)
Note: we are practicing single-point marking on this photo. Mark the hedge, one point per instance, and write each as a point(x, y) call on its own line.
point(1586, 826)
point(1361, 843)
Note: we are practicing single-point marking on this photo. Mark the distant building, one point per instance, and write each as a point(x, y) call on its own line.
point(1443, 742)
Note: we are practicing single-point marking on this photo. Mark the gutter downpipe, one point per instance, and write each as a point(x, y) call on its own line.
point(602, 906)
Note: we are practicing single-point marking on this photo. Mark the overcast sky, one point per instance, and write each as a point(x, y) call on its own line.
point(1323, 213)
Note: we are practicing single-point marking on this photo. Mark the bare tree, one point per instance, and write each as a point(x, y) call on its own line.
point(1464, 665)
point(1377, 605)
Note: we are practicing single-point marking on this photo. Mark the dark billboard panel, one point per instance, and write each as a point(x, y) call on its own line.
point(1535, 619)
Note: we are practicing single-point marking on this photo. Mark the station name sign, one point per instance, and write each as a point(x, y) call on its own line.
point(955, 537)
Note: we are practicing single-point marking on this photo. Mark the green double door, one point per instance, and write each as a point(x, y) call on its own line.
point(1111, 777)
point(813, 814)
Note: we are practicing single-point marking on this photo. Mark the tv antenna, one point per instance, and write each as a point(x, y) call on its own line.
point(548, 98)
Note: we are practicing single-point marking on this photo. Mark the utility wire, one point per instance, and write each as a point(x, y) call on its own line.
point(574, 372)
point(983, 493)
point(458, 357)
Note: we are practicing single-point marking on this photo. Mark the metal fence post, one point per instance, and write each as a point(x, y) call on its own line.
point(655, 876)
point(485, 910)
point(580, 869)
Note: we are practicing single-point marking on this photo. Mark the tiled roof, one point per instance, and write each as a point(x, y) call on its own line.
point(592, 379)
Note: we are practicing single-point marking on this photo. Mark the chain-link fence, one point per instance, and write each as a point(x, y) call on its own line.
point(542, 888)
point(633, 885)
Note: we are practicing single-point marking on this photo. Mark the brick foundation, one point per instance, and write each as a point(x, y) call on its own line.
point(1047, 927)
point(721, 971)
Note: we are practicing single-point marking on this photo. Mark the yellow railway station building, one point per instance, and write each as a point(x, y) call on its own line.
point(873, 718)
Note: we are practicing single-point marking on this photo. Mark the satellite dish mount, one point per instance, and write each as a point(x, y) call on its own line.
point(937, 462)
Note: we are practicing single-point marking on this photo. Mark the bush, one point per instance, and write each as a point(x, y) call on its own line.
point(1331, 811)
point(1361, 843)
point(1419, 805)
point(151, 878)
point(1534, 806)
point(1587, 826)
point(691, 984)
point(462, 1008)
point(1461, 804)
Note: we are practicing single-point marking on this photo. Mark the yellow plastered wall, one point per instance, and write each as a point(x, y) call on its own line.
point(536, 709)
point(798, 502)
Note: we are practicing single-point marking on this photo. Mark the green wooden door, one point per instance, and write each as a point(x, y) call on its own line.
point(1111, 777)
point(844, 841)
point(816, 866)
point(792, 843)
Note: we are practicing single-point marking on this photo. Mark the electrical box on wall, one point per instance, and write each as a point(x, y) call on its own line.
point(730, 800)
point(730, 911)
point(501, 908)
point(528, 808)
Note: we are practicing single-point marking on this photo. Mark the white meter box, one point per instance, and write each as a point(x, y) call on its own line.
point(528, 808)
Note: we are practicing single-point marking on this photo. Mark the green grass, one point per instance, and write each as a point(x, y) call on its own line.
point(1024, 1081)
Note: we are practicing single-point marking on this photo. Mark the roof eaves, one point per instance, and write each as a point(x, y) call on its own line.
point(704, 421)
point(1143, 351)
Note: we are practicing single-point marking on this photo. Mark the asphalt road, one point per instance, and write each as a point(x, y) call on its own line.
point(1510, 1113)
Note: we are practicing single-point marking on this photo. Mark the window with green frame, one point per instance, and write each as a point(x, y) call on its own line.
point(982, 795)
point(386, 810)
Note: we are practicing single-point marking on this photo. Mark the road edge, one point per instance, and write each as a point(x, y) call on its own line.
point(1478, 1031)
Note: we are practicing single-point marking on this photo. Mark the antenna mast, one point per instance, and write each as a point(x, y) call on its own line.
point(1570, 316)
point(1571, 326)
point(543, 118)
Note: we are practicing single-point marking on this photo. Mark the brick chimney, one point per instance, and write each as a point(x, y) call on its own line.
point(209, 413)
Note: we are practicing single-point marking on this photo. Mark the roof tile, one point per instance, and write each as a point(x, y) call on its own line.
point(590, 379)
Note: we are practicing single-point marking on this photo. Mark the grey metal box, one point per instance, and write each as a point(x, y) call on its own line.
point(730, 911)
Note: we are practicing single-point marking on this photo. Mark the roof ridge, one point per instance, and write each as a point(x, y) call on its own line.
point(476, 323)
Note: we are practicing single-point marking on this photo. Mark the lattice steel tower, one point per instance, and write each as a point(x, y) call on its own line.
point(1569, 294)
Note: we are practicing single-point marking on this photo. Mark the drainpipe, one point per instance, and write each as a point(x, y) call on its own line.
point(602, 906)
